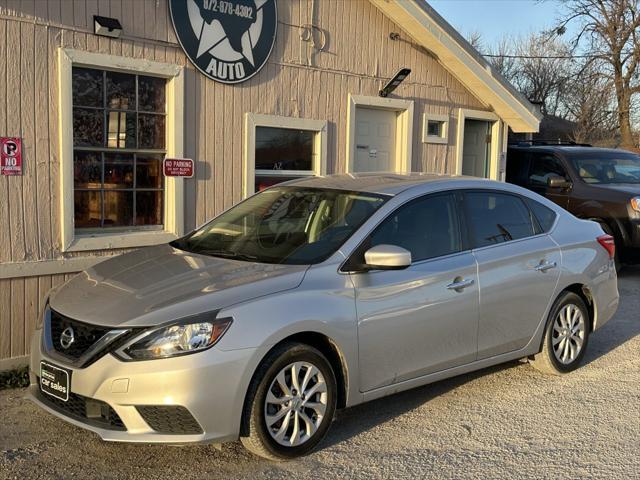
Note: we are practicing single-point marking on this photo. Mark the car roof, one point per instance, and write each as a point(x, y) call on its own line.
point(387, 183)
point(570, 150)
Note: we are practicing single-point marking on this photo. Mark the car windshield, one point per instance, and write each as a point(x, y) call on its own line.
point(609, 168)
point(288, 225)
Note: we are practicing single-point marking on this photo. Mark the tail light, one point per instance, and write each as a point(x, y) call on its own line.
point(608, 243)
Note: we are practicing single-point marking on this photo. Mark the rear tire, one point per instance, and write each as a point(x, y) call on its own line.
point(566, 336)
point(290, 403)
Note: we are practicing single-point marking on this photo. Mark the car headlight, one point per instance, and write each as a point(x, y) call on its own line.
point(189, 335)
point(635, 204)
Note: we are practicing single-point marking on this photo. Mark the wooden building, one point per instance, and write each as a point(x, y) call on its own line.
point(96, 115)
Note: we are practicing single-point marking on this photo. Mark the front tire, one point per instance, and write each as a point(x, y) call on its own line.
point(566, 336)
point(290, 403)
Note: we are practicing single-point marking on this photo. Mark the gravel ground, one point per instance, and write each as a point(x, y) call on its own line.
point(504, 422)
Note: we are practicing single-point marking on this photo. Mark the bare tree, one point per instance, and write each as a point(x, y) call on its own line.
point(590, 103)
point(609, 33)
point(474, 37)
point(544, 71)
point(539, 67)
point(503, 59)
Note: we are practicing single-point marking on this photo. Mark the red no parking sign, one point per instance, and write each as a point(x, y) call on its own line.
point(10, 156)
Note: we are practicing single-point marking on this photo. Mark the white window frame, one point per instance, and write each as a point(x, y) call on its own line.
point(443, 138)
point(174, 187)
point(404, 128)
point(496, 139)
point(253, 120)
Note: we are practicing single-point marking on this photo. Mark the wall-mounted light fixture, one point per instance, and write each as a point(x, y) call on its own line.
point(394, 82)
point(107, 27)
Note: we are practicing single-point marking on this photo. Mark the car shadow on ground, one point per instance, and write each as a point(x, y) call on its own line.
point(355, 420)
point(625, 324)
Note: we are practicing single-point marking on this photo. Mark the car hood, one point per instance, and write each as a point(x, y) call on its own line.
point(160, 284)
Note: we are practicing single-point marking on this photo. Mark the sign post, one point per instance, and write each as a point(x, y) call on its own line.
point(10, 156)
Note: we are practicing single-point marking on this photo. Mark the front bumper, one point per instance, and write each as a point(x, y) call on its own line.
point(210, 385)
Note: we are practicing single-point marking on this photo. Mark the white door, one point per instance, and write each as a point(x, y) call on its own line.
point(375, 140)
point(476, 148)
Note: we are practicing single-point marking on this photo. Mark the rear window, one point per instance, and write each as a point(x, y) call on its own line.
point(497, 218)
point(544, 215)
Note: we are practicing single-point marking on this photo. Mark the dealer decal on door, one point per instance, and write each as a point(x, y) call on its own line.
point(227, 40)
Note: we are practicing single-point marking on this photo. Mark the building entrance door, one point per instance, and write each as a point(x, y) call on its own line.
point(375, 140)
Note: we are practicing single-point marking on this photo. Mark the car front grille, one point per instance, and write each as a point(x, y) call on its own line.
point(169, 419)
point(90, 342)
point(84, 409)
point(85, 335)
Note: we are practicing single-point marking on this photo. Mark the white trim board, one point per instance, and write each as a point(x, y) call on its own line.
point(253, 120)
point(49, 267)
point(174, 187)
point(404, 128)
point(434, 117)
point(496, 139)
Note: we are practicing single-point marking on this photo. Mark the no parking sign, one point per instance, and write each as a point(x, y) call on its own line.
point(10, 156)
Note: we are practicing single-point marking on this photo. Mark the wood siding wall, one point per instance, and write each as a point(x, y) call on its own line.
point(299, 81)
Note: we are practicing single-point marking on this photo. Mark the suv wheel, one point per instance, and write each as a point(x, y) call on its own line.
point(566, 336)
point(290, 403)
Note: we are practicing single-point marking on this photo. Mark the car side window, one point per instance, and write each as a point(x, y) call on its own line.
point(427, 227)
point(544, 215)
point(497, 217)
point(544, 166)
point(517, 167)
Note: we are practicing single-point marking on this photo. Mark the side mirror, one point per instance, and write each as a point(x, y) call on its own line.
point(387, 257)
point(556, 181)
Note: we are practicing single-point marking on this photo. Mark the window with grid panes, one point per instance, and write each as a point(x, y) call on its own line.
point(119, 144)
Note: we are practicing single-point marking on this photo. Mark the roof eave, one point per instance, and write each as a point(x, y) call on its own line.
point(455, 54)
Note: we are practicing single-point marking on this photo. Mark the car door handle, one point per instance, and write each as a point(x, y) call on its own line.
point(460, 284)
point(544, 266)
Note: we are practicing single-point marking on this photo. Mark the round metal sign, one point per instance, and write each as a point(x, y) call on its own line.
point(227, 40)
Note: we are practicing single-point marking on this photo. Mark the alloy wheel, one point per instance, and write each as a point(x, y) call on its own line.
point(569, 330)
point(295, 404)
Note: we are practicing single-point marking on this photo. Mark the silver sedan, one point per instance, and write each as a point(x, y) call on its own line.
point(320, 294)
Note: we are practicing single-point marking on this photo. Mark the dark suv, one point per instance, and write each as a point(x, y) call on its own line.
point(599, 184)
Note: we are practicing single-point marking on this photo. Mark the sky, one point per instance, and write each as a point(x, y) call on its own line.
point(494, 19)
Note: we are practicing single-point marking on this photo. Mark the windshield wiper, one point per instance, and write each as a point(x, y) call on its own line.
point(227, 254)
